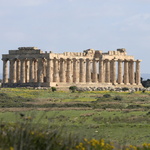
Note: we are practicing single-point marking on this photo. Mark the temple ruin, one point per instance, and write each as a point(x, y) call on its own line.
point(29, 66)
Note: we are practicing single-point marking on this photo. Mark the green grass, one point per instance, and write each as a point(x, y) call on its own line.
point(85, 114)
point(112, 126)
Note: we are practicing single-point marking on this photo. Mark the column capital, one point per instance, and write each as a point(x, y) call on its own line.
point(113, 60)
point(126, 60)
point(44, 59)
point(88, 60)
point(131, 60)
point(120, 60)
point(82, 60)
point(5, 59)
point(106, 60)
point(138, 60)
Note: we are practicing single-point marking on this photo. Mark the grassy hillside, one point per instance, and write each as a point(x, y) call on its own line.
point(121, 118)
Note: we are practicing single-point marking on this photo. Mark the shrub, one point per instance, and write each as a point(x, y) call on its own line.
point(72, 88)
point(106, 95)
point(125, 89)
point(53, 89)
point(118, 98)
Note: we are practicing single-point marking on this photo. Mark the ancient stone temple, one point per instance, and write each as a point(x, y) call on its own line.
point(29, 66)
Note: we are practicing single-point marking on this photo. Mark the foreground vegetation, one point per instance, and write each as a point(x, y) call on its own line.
point(26, 135)
point(74, 120)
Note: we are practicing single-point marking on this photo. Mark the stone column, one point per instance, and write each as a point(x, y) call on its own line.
point(126, 73)
point(13, 70)
point(51, 70)
point(5, 70)
point(23, 70)
point(68, 72)
point(104, 68)
point(35, 69)
point(48, 71)
point(132, 81)
point(75, 71)
point(101, 71)
point(113, 71)
point(82, 71)
point(138, 80)
point(62, 70)
point(31, 73)
point(55, 75)
point(88, 70)
point(120, 76)
point(40, 70)
point(44, 66)
point(94, 71)
point(18, 71)
point(107, 71)
point(27, 66)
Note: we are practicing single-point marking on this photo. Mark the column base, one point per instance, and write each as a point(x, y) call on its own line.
point(120, 83)
point(127, 84)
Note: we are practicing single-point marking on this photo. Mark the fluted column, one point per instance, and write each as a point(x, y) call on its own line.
point(104, 68)
point(113, 71)
point(48, 71)
point(101, 71)
point(35, 69)
point(138, 81)
point(27, 66)
point(62, 70)
point(132, 81)
point(94, 77)
point(107, 71)
point(82, 70)
point(44, 64)
point(18, 76)
point(31, 73)
point(126, 72)
point(5, 70)
point(40, 70)
point(23, 70)
point(120, 75)
point(68, 72)
point(55, 75)
point(88, 70)
point(13, 70)
point(51, 70)
point(75, 71)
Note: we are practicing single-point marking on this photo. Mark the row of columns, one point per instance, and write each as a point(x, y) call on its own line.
point(71, 70)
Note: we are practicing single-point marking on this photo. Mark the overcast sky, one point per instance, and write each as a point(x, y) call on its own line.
point(76, 25)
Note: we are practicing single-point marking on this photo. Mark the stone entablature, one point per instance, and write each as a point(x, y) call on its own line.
point(29, 66)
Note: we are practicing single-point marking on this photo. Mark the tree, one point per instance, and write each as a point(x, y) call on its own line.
point(53, 89)
point(72, 88)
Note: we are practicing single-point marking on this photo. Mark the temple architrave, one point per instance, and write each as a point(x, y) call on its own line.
point(29, 66)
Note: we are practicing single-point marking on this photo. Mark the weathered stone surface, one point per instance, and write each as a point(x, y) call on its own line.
point(91, 69)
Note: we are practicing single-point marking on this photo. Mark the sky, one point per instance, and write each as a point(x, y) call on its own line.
point(77, 25)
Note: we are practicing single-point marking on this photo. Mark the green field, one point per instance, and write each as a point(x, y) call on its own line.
point(122, 118)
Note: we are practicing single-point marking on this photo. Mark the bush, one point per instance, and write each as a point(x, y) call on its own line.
point(118, 98)
point(106, 95)
point(72, 88)
point(53, 89)
point(125, 89)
